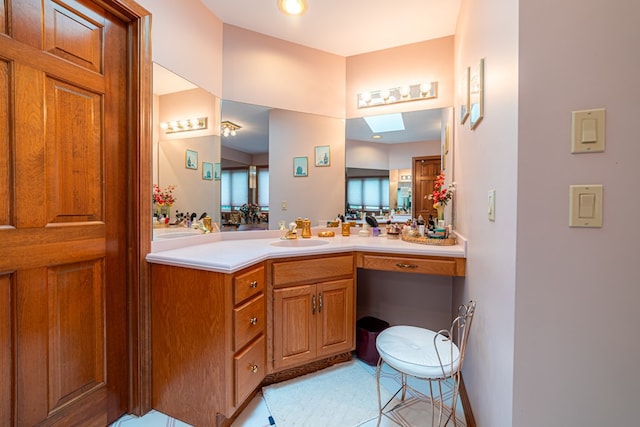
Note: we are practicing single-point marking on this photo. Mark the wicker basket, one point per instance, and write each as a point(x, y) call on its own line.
point(429, 241)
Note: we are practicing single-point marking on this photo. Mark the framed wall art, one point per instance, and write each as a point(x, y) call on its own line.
point(464, 94)
point(191, 159)
point(207, 171)
point(216, 171)
point(476, 94)
point(323, 155)
point(300, 166)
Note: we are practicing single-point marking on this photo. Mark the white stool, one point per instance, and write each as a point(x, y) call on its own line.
point(426, 355)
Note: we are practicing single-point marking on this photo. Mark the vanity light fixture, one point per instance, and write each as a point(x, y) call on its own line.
point(292, 7)
point(184, 125)
point(229, 128)
point(416, 92)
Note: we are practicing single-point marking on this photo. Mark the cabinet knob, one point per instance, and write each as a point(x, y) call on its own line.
point(253, 368)
point(253, 284)
point(253, 321)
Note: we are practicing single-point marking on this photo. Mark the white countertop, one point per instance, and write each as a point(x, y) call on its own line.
point(229, 252)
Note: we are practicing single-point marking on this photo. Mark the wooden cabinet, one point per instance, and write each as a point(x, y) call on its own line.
point(208, 341)
point(313, 309)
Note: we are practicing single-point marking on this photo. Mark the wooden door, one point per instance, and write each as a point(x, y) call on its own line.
point(294, 325)
point(336, 317)
point(63, 214)
point(425, 171)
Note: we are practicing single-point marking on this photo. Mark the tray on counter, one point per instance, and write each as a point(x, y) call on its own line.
point(450, 241)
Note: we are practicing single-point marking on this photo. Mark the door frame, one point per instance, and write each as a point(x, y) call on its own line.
point(139, 117)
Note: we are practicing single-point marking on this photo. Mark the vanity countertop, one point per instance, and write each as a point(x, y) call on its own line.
point(230, 252)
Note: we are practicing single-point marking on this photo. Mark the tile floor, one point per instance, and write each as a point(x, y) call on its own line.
point(256, 414)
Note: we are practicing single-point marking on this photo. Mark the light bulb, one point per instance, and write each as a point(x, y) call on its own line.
point(194, 122)
point(385, 94)
point(425, 89)
point(164, 125)
point(405, 91)
point(292, 7)
point(233, 132)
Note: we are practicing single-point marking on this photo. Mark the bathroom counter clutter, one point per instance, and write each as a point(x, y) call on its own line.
point(231, 252)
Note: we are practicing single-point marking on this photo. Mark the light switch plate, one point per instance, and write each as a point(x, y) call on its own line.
point(587, 131)
point(585, 207)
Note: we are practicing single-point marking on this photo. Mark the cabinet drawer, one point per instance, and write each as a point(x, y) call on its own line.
point(248, 321)
point(312, 270)
point(250, 369)
point(437, 265)
point(248, 284)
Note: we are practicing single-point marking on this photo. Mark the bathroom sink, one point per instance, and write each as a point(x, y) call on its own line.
point(176, 234)
point(299, 243)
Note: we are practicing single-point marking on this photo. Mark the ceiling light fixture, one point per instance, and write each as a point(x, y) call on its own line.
point(184, 125)
point(229, 128)
point(292, 7)
point(398, 94)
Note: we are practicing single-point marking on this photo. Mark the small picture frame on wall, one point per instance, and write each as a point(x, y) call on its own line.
point(476, 95)
point(323, 155)
point(216, 171)
point(207, 171)
point(300, 167)
point(464, 94)
point(191, 159)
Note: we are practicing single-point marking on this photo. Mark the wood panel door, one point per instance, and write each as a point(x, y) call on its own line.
point(294, 325)
point(64, 197)
point(425, 171)
point(337, 316)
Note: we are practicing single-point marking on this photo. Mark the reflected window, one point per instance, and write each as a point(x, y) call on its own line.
point(234, 186)
point(234, 189)
point(369, 194)
point(263, 188)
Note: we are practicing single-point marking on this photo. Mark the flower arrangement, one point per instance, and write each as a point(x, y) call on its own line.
point(160, 197)
point(250, 212)
point(440, 195)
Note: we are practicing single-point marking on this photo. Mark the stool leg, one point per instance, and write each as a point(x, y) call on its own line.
point(378, 369)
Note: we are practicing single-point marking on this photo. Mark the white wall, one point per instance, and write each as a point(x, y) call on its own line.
point(577, 293)
point(187, 39)
point(487, 159)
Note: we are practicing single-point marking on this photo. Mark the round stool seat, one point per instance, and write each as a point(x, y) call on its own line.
point(410, 349)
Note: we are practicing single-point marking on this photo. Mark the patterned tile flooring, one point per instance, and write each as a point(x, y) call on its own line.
point(256, 414)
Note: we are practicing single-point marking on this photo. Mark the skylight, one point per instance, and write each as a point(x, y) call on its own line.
point(385, 123)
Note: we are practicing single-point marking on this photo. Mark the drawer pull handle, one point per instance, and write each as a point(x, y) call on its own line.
point(313, 304)
point(320, 302)
point(253, 368)
point(253, 321)
point(405, 265)
point(253, 284)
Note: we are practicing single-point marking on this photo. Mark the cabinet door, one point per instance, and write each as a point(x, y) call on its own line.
point(336, 317)
point(294, 325)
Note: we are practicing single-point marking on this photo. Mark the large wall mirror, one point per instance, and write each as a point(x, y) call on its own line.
point(379, 152)
point(245, 200)
point(252, 163)
point(186, 154)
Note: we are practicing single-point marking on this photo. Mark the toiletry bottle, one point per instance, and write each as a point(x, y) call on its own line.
point(306, 228)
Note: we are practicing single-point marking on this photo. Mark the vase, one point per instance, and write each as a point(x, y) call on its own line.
point(440, 210)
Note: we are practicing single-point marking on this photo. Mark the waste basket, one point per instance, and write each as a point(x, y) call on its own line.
point(367, 330)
